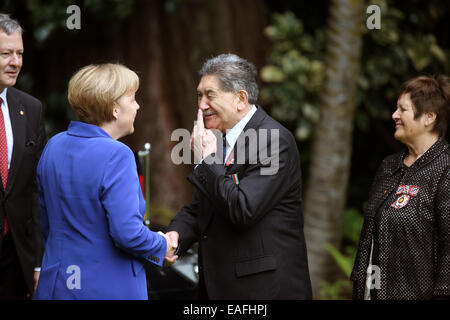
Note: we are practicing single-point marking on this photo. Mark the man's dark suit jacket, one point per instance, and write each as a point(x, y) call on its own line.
point(251, 241)
point(20, 200)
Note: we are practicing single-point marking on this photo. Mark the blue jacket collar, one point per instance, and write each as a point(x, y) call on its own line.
point(81, 129)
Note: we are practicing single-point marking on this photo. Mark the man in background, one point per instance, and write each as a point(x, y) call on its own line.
point(22, 138)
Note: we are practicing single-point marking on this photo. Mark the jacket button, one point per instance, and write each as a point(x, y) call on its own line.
point(205, 237)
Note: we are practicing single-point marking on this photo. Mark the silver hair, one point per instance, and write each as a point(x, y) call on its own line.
point(8, 25)
point(234, 74)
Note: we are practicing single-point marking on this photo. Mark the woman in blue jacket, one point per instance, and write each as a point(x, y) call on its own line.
point(90, 198)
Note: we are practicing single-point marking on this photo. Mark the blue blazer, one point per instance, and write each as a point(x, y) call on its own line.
point(92, 210)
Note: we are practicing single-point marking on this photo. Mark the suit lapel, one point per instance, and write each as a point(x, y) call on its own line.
point(253, 123)
point(233, 166)
point(389, 181)
point(18, 123)
point(389, 185)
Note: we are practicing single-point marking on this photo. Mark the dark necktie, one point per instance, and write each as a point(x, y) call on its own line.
point(3, 157)
point(224, 145)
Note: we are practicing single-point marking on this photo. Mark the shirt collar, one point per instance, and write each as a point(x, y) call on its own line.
point(86, 130)
point(233, 134)
point(3, 94)
point(436, 149)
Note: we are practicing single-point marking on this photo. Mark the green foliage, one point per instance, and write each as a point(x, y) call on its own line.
point(338, 290)
point(401, 49)
point(351, 229)
point(294, 73)
point(345, 262)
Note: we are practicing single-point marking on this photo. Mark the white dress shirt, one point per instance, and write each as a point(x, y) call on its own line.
point(233, 134)
point(8, 127)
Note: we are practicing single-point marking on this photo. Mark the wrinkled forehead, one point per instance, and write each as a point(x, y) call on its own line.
point(209, 83)
point(11, 41)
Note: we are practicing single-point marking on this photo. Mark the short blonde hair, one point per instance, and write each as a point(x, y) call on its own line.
point(94, 88)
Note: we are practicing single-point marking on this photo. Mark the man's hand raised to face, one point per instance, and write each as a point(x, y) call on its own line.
point(203, 141)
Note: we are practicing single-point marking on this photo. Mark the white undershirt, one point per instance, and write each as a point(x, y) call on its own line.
point(233, 134)
point(8, 127)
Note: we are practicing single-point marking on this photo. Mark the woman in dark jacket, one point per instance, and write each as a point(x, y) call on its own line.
point(404, 249)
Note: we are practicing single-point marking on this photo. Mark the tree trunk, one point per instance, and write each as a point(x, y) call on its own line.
point(168, 42)
point(329, 170)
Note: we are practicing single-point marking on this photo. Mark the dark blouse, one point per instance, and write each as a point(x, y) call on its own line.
point(408, 216)
point(392, 198)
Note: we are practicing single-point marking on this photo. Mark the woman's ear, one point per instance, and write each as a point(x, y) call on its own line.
point(430, 118)
point(115, 111)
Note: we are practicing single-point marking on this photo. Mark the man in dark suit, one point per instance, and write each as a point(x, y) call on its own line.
point(246, 213)
point(22, 138)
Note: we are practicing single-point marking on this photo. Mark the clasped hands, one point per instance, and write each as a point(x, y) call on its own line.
point(203, 141)
point(172, 245)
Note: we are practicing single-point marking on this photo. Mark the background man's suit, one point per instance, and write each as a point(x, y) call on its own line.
point(251, 241)
point(19, 202)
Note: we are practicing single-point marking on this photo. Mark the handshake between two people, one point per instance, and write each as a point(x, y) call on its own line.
point(203, 143)
point(172, 246)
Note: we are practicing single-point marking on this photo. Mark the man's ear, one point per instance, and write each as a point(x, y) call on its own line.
point(242, 95)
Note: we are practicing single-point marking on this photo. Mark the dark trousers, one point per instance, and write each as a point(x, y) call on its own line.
point(12, 282)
